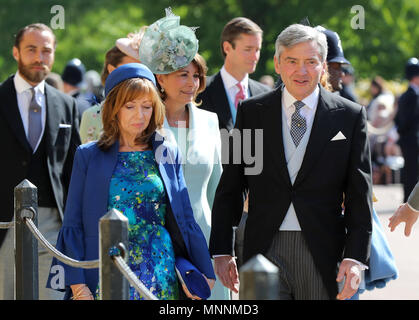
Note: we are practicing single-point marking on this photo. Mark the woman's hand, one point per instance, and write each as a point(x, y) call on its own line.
point(211, 282)
point(81, 292)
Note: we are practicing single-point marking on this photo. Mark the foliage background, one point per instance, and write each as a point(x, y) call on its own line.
point(390, 37)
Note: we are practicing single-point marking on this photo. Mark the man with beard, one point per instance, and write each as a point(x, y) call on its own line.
point(39, 127)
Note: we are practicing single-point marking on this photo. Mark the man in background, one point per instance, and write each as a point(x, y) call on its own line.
point(39, 128)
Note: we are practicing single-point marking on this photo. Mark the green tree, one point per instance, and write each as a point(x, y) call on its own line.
point(390, 37)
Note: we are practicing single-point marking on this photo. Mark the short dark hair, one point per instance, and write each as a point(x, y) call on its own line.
point(236, 27)
point(33, 26)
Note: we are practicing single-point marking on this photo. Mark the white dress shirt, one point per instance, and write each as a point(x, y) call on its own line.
point(230, 84)
point(309, 109)
point(24, 97)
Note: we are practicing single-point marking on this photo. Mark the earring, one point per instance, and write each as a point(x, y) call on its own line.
point(162, 90)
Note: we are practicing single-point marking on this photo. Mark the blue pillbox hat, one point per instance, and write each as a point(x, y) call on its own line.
point(128, 71)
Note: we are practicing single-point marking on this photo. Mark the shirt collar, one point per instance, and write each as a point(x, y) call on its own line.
point(22, 85)
point(230, 81)
point(414, 87)
point(310, 101)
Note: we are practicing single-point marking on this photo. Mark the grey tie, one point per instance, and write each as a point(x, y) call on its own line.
point(35, 121)
point(298, 124)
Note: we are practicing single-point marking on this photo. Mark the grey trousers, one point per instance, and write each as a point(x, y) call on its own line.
point(299, 278)
point(49, 223)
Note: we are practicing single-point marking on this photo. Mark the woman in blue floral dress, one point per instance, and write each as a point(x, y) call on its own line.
point(137, 190)
point(134, 170)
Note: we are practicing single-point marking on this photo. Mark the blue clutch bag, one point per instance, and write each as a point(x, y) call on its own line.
point(192, 278)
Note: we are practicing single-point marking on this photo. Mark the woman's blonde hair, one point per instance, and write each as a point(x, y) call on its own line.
point(121, 94)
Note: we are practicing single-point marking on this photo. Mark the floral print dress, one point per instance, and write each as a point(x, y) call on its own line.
point(137, 190)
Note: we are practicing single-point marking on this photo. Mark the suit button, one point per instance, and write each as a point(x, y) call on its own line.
point(24, 163)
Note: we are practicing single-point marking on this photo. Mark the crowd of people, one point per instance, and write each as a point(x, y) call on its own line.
point(146, 139)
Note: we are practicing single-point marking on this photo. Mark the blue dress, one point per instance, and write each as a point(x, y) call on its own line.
point(137, 190)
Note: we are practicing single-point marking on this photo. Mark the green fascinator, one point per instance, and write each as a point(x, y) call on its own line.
point(168, 46)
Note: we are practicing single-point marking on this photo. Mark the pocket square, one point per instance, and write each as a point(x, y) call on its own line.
point(339, 136)
point(64, 125)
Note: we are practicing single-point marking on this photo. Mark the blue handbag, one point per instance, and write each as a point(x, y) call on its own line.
point(192, 278)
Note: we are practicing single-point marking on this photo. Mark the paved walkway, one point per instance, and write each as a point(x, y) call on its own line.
point(405, 249)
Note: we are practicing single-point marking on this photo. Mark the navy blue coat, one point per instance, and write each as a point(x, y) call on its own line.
point(88, 200)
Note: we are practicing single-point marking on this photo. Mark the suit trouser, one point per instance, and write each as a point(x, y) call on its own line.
point(410, 171)
point(49, 223)
point(299, 278)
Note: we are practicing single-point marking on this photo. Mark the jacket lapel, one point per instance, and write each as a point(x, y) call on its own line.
point(10, 110)
point(194, 122)
point(104, 168)
point(272, 118)
point(53, 118)
point(323, 127)
point(254, 88)
point(221, 104)
point(164, 157)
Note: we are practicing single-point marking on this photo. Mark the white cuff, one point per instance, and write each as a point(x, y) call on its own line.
point(411, 208)
point(361, 265)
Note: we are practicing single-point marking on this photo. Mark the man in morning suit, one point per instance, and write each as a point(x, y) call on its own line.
point(407, 122)
point(315, 157)
point(39, 129)
point(241, 41)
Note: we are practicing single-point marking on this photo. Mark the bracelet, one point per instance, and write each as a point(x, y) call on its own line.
point(82, 296)
point(79, 293)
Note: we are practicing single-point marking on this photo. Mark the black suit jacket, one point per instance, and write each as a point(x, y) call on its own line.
point(61, 144)
point(407, 119)
point(329, 170)
point(214, 99)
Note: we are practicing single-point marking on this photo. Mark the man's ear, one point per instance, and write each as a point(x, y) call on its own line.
point(227, 47)
point(16, 53)
point(276, 64)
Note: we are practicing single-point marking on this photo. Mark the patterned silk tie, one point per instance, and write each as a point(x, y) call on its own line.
point(35, 121)
point(239, 95)
point(298, 123)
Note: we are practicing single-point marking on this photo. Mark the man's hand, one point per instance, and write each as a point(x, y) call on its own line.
point(351, 270)
point(226, 270)
point(406, 215)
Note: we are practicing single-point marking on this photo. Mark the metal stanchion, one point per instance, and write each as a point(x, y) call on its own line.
point(26, 246)
point(113, 229)
point(259, 279)
point(114, 274)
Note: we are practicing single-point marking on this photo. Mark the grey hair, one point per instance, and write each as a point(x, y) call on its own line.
point(298, 33)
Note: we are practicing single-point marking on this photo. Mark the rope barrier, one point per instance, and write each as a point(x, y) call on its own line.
point(116, 254)
point(92, 264)
point(132, 278)
point(117, 259)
